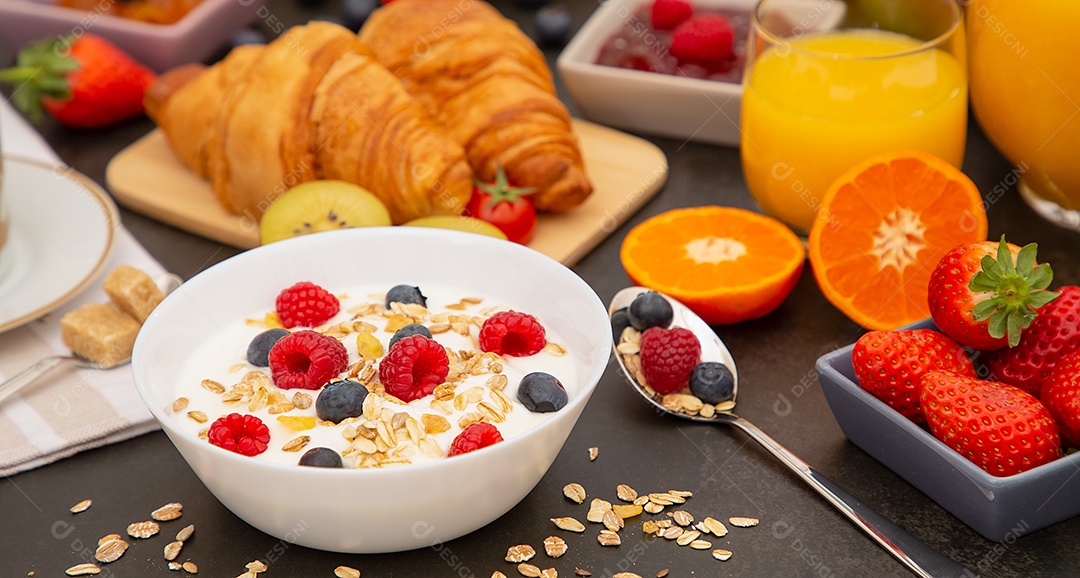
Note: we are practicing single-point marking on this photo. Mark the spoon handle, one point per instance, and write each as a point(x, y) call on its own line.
point(921, 559)
point(28, 375)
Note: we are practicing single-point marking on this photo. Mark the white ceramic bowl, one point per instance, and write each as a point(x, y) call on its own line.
point(374, 510)
point(196, 36)
point(648, 102)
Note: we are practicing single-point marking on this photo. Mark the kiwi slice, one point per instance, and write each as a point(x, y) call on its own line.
point(467, 224)
point(317, 206)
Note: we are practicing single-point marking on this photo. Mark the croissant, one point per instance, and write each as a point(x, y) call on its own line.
point(489, 87)
point(312, 104)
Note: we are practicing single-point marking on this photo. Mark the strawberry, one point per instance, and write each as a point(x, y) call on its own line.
point(889, 365)
point(1061, 396)
point(997, 426)
point(984, 294)
point(703, 39)
point(1054, 334)
point(82, 81)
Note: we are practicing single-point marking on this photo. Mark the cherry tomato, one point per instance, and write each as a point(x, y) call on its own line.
point(506, 207)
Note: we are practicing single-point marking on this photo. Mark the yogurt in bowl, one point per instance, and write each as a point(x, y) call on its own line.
point(481, 386)
point(361, 508)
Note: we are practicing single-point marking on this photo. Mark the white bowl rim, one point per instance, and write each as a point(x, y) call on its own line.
point(581, 398)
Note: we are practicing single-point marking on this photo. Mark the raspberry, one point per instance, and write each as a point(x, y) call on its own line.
point(668, 357)
point(414, 367)
point(305, 304)
point(243, 434)
point(478, 435)
point(306, 360)
point(667, 14)
point(512, 333)
point(705, 38)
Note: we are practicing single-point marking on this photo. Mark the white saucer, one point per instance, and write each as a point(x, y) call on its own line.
point(61, 229)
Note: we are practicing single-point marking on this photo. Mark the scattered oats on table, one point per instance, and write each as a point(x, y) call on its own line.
point(110, 551)
point(626, 493)
point(555, 546)
point(256, 566)
point(143, 529)
point(721, 554)
point(742, 522)
point(185, 533)
point(529, 570)
point(83, 570)
point(593, 452)
point(569, 524)
point(346, 572)
point(172, 549)
point(190, 567)
point(575, 492)
point(549, 573)
point(582, 572)
point(520, 553)
point(81, 506)
point(170, 511)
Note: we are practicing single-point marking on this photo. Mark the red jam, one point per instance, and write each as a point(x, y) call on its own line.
point(639, 46)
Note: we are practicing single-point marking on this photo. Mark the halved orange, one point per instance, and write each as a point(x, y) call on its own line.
point(725, 264)
point(882, 228)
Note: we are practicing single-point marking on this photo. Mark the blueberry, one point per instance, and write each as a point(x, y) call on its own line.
point(541, 392)
point(248, 36)
point(340, 400)
point(712, 382)
point(405, 294)
point(260, 346)
point(553, 24)
point(356, 12)
point(410, 329)
point(620, 320)
point(650, 309)
point(321, 458)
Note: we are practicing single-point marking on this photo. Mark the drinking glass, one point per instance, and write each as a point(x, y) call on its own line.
point(830, 83)
point(1026, 96)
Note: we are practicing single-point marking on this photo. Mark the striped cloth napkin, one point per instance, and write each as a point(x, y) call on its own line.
point(68, 410)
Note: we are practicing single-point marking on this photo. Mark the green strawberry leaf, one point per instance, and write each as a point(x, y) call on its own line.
point(982, 282)
point(998, 324)
point(41, 71)
point(1012, 290)
point(1041, 277)
point(984, 309)
point(1040, 298)
point(1025, 259)
point(1004, 257)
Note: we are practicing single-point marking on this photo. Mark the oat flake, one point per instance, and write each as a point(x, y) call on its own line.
point(83, 570)
point(81, 506)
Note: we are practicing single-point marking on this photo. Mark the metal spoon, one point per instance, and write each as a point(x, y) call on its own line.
point(921, 559)
point(31, 374)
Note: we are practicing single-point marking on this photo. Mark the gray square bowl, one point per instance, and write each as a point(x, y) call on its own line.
point(1001, 509)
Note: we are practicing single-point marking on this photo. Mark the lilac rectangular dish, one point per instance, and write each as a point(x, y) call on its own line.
point(1001, 509)
point(195, 37)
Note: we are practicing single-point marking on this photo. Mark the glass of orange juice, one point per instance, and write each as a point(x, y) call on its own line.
point(1026, 96)
point(829, 83)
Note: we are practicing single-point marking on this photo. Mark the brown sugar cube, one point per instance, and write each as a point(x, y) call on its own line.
point(133, 291)
point(100, 332)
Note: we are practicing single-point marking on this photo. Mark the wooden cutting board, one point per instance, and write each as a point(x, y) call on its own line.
point(626, 171)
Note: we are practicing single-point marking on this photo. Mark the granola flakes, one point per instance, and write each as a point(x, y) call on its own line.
point(555, 546)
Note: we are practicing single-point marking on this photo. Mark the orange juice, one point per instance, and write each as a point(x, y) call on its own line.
point(1025, 90)
point(818, 104)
